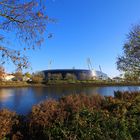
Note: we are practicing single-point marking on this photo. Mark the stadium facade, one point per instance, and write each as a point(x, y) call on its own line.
point(80, 74)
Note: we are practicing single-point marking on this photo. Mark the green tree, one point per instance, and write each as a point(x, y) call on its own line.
point(70, 76)
point(27, 21)
point(27, 74)
point(129, 62)
point(55, 76)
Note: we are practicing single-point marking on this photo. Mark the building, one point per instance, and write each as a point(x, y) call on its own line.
point(8, 77)
point(79, 74)
point(99, 75)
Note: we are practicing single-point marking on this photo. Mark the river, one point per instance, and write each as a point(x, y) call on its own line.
point(21, 100)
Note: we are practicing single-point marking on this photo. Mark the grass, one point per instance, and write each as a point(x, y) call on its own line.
point(66, 83)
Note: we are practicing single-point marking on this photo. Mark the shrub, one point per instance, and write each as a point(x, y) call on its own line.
point(77, 117)
point(55, 76)
point(87, 117)
point(41, 116)
point(8, 122)
point(51, 118)
point(18, 76)
point(70, 77)
point(126, 95)
point(37, 78)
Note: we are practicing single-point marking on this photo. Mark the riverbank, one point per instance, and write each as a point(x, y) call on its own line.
point(77, 117)
point(14, 84)
point(92, 83)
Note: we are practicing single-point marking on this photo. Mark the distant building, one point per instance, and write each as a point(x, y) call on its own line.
point(99, 75)
point(80, 74)
point(117, 79)
point(8, 77)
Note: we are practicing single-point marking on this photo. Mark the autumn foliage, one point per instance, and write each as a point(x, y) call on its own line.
point(7, 122)
point(2, 72)
point(77, 117)
point(25, 22)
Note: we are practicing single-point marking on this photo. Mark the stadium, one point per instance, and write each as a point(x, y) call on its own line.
point(80, 74)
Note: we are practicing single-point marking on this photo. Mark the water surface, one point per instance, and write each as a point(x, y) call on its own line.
point(21, 100)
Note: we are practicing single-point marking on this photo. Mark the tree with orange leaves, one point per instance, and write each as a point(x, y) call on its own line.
point(2, 72)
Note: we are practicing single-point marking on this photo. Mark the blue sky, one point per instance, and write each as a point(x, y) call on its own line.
point(94, 29)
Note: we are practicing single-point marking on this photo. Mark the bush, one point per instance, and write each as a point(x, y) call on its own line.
point(8, 122)
point(45, 119)
point(87, 117)
point(126, 95)
point(37, 78)
point(18, 76)
point(70, 77)
point(77, 117)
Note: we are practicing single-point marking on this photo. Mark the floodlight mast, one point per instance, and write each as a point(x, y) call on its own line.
point(89, 64)
point(100, 68)
point(49, 65)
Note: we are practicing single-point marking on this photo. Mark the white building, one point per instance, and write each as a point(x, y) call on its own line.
point(99, 75)
point(8, 77)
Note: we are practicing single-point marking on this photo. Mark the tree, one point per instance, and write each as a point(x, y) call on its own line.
point(18, 76)
point(27, 21)
point(2, 72)
point(37, 78)
point(84, 76)
point(56, 76)
point(129, 62)
point(28, 75)
point(70, 76)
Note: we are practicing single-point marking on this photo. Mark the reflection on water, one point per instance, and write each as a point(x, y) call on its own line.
point(5, 94)
point(22, 99)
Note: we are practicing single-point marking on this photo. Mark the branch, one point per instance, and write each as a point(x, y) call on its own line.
point(7, 5)
point(12, 18)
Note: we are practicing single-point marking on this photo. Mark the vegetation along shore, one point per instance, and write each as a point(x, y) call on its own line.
point(4, 84)
point(77, 117)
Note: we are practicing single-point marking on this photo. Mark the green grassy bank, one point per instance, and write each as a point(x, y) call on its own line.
point(65, 83)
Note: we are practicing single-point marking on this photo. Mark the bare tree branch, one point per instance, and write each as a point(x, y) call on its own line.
point(28, 21)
